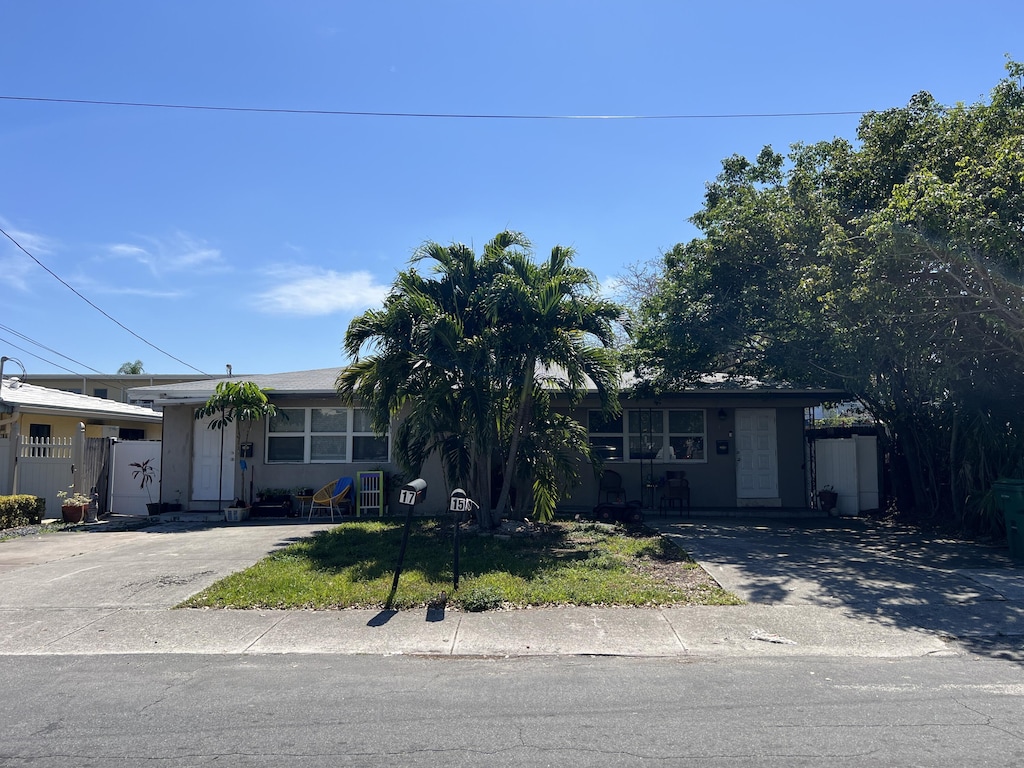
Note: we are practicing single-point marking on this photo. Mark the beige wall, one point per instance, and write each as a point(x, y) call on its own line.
point(65, 426)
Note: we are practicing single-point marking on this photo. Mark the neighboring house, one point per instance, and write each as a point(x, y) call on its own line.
point(39, 424)
point(114, 386)
point(313, 441)
point(741, 444)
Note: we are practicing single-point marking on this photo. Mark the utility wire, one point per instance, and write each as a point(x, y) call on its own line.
point(448, 115)
point(99, 378)
point(37, 357)
point(43, 346)
point(98, 309)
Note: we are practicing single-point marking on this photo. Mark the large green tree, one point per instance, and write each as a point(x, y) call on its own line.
point(890, 267)
point(463, 363)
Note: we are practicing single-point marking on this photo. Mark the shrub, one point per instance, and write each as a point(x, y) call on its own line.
point(21, 510)
point(481, 598)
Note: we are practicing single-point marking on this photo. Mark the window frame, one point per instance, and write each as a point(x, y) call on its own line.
point(307, 434)
point(624, 438)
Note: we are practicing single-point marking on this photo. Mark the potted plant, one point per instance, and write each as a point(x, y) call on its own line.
point(272, 502)
point(73, 507)
point(828, 499)
point(144, 473)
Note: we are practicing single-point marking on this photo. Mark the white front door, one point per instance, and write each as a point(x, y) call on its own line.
point(757, 457)
point(206, 462)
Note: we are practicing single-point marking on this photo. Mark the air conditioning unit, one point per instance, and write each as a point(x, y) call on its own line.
point(110, 431)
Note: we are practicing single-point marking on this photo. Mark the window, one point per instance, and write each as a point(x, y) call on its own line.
point(39, 439)
point(323, 436)
point(606, 441)
point(649, 434)
point(100, 392)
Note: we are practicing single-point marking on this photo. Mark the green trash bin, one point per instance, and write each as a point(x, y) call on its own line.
point(1010, 501)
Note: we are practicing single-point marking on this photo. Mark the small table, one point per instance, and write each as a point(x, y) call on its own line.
point(303, 500)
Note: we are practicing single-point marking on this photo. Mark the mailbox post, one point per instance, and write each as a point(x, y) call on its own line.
point(458, 504)
point(411, 494)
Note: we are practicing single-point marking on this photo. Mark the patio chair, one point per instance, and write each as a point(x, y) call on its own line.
point(611, 486)
point(676, 491)
point(333, 497)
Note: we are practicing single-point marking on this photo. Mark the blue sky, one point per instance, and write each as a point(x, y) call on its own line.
point(254, 238)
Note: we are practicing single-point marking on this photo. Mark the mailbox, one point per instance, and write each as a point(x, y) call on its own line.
point(413, 493)
point(460, 502)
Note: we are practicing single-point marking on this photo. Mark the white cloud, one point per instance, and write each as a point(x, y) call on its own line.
point(132, 251)
point(174, 254)
point(314, 291)
point(88, 285)
point(17, 268)
point(16, 271)
point(36, 244)
point(611, 287)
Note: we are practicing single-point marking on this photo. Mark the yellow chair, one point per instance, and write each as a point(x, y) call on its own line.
point(333, 497)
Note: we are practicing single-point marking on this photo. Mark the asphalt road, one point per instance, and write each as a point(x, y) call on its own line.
point(331, 710)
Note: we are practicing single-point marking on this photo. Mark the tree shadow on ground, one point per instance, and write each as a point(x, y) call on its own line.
point(898, 577)
point(369, 554)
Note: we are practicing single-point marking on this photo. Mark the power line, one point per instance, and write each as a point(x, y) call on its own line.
point(99, 378)
point(98, 309)
point(37, 357)
point(48, 349)
point(434, 115)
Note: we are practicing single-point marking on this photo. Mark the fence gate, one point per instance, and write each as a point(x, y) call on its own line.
point(134, 476)
point(43, 467)
point(96, 471)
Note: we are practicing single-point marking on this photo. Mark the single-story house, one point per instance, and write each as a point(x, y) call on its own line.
point(740, 444)
point(110, 386)
point(38, 429)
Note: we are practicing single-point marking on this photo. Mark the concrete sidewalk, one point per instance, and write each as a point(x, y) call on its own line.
point(112, 592)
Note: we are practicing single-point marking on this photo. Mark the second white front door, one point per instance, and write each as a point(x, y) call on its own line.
point(757, 456)
point(206, 462)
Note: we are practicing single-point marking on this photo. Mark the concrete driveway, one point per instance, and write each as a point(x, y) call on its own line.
point(827, 589)
point(153, 567)
point(893, 576)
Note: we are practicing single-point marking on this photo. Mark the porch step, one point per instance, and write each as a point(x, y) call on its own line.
point(740, 513)
point(210, 516)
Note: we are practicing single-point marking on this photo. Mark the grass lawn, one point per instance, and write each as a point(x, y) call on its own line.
point(562, 563)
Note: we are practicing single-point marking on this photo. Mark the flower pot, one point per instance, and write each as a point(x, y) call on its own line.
point(153, 508)
point(73, 513)
point(236, 514)
point(828, 500)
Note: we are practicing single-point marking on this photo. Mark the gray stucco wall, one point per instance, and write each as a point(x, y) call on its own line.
point(179, 426)
point(176, 455)
point(712, 482)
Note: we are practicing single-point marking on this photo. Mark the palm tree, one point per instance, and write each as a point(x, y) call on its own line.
point(548, 319)
point(465, 356)
point(235, 401)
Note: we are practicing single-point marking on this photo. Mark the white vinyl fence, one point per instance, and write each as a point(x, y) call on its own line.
point(44, 467)
point(134, 476)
